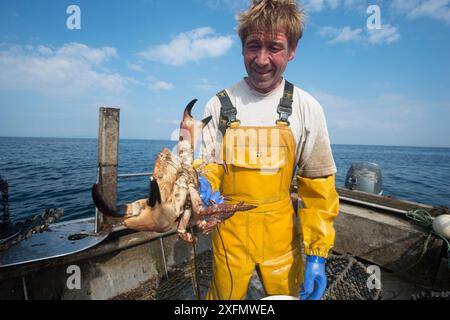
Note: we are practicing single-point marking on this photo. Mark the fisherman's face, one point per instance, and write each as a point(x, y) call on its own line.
point(266, 56)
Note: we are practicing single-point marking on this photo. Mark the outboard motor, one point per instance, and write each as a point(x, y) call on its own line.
point(365, 176)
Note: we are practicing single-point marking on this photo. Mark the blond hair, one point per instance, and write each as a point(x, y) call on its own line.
point(271, 16)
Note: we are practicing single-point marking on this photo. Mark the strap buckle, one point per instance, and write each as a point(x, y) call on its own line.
point(227, 112)
point(285, 109)
point(285, 106)
point(229, 115)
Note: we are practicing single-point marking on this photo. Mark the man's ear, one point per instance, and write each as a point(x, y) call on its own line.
point(292, 53)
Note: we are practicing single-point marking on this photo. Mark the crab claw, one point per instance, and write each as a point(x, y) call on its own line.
point(101, 204)
point(188, 114)
point(187, 111)
point(225, 209)
point(154, 194)
point(190, 129)
point(153, 199)
point(205, 121)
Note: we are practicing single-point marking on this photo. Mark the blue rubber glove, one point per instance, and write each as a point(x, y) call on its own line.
point(315, 280)
point(206, 193)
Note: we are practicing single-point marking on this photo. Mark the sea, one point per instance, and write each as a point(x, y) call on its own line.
point(47, 173)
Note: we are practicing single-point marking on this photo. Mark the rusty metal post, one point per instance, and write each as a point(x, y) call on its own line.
point(108, 156)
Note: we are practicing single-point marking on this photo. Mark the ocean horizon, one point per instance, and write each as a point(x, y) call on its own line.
point(59, 172)
point(138, 139)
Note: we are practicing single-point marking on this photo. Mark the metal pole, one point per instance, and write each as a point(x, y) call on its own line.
point(24, 288)
point(164, 257)
point(133, 175)
point(108, 157)
point(373, 205)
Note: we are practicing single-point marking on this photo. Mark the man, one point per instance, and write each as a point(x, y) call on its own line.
point(263, 128)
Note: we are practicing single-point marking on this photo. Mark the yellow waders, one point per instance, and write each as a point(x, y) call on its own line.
point(259, 173)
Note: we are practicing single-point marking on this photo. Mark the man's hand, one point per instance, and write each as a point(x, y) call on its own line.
point(315, 280)
point(208, 197)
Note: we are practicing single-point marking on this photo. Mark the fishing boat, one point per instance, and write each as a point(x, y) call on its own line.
point(380, 252)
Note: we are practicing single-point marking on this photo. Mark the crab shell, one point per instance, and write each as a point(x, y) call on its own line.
point(157, 213)
point(173, 193)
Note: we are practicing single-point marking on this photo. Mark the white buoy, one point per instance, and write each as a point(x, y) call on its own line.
point(280, 297)
point(441, 225)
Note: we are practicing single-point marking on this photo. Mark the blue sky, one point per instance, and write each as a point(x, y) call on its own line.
point(150, 57)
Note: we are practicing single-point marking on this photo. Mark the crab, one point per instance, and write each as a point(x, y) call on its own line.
point(174, 192)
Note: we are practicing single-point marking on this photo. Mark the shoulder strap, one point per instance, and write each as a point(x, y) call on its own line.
point(227, 112)
point(285, 106)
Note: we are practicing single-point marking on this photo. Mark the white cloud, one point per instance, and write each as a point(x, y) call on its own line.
point(320, 5)
point(69, 70)
point(43, 50)
point(135, 67)
point(207, 85)
point(228, 4)
point(159, 85)
point(434, 9)
point(337, 35)
point(309, 5)
point(189, 46)
point(404, 6)
point(387, 34)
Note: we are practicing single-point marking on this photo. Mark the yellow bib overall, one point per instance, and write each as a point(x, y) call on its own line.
point(260, 163)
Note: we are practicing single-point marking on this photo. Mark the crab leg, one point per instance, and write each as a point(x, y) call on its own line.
point(225, 209)
point(215, 209)
point(207, 226)
point(180, 192)
point(182, 225)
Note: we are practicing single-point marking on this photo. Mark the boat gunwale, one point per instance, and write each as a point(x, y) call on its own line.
point(119, 239)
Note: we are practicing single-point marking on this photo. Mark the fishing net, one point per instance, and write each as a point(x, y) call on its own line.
point(347, 280)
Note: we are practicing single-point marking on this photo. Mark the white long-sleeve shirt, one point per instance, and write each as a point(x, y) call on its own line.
point(312, 153)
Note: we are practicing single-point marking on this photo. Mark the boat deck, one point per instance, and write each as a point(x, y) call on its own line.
point(145, 265)
point(180, 285)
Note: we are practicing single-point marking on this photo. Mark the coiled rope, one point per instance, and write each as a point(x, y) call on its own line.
point(423, 217)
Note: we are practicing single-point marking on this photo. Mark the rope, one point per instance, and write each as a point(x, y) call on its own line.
point(423, 217)
point(196, 285)
point(228, 266)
